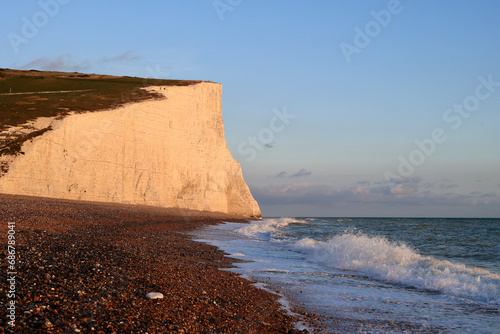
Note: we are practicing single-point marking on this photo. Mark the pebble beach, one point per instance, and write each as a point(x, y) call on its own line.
point(87, 267)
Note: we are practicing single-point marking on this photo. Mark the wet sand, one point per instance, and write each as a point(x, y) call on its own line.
point(87, 267)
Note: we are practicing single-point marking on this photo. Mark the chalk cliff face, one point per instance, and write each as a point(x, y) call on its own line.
point(169, 153)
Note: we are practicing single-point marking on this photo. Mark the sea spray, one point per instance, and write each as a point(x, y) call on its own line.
point(266, 228)
point(392, 275)
point(396, 262)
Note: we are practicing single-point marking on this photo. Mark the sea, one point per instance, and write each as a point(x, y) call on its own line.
point(374, 275)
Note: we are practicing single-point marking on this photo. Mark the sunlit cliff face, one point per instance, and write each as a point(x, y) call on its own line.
point(169, 152)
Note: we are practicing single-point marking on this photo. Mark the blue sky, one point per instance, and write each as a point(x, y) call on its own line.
point(333, 108)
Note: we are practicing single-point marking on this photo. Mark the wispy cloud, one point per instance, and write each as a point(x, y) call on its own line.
point(126, 56)
point(281, 174)
point(447, 186)
point(301, 173)
point(403, 189)
point(64, 62)
point(399, 194)
point(67, 62)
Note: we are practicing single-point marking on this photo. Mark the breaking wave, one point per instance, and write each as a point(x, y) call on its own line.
point(396, 262)
point(265, 229)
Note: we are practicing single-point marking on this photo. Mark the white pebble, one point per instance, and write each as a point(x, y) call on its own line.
point(154, 295)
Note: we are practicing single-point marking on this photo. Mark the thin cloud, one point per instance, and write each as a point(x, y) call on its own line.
point(127, 56)
point(415, 179)
point(331, 196)
point(429, 185)
point(448, 186)
point(301, 173)
point(281, 174)
point(403, 189)
point(64, 62)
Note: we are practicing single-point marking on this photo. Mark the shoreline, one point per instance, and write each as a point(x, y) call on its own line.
point(85, 266)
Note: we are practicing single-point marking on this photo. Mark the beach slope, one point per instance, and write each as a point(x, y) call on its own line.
point(84, 266)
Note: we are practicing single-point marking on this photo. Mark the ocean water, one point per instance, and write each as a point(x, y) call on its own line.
point(375, 275)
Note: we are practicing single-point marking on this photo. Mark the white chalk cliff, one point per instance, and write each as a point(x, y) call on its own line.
point(168, 153)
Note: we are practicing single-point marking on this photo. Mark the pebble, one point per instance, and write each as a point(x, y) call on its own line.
point(47, 324)
point(154, 295)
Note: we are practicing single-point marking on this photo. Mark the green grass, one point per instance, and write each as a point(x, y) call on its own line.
point(14, 145)
point(101, 92)
point(105, 92)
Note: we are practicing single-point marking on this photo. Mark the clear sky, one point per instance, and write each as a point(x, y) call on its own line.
point(333, 108)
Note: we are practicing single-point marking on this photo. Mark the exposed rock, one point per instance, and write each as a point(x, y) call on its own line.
point(168, 153)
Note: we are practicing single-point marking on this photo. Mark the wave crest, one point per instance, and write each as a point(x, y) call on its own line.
point(266, 228)
point(396, 262)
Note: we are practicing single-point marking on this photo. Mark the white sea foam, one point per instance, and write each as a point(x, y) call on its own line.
point(237, 255)
point(264, 229)
point(285, 306)
point(342, 272)
point(377, 257)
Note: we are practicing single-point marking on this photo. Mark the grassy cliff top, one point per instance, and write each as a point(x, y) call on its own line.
point(26, 95)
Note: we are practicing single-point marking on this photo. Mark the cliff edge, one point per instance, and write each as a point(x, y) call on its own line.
point(166, 152)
